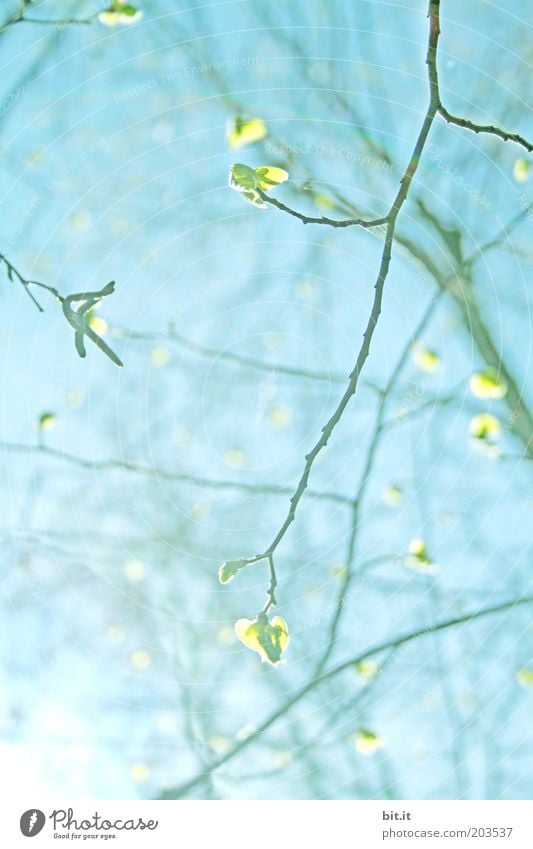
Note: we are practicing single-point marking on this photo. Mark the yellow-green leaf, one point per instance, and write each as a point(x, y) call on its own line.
point(393, 495)
point(249, 182)
point(243, 131)
point(488, 384)
point(367, 742)
point(268, 638)
point(47, 421)
point(485, 427)
point(367, 669)
point(120, 12)
point(524, 677)
point(242, 177)
point(418, 557)
point(426, 359)
point(229, 569)
point(521, 170)
point(268, 176)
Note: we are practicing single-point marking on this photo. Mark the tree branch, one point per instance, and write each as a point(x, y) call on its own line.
point(228, 356)
point(162, 474)
point(384, 266)
point(331, 222)
point(464, 122)
point(394, 643)
point(491, 129)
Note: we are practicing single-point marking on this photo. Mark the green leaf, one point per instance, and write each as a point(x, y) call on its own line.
point(418, 557)
point(488, 384)
point(127, 9)
point(426, 359)
point(393, 495)
point(485, 427)
point(249, 181)
point(268, 638)
point(367, 742)
point(47, 421)
point(268, 176)
point(524, 677)
point(242, 177)
point(229, 569)
point(241, 131)
point(367, 669)
point(521, 170)
point(119, 12)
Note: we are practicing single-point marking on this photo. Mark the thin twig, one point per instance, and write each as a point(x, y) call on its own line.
point(491, 129)
point(228, 356)
point(375, 312)
point(330, 222)
point(381, 426)
point(163, 474)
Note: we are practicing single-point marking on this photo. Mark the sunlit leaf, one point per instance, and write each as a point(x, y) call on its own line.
point(229, 569)
point(242, 177)
point(241, 131)
point(268, 638)
point(425, 359)
point(268, 177)
point(418, 557)
point(485, 427)
point(488, 384)
point(250, 181)
point(393, 495)
point(521, 170)
point(524, 677)
point(367, 669)
point(47, 421)
point(367, 742)
point(120, 12)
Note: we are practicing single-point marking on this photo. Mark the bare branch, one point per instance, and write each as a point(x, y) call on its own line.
point(331, 222)
point(491, 129)
point(228, 356)
point(163, 474)
point(384, 266)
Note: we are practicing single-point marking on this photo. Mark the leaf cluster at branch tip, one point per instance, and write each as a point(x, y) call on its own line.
point(250, 182)
point(269, 638)
point(229, 569)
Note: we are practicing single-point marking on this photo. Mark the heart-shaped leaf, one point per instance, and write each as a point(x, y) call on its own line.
point(268, 638)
